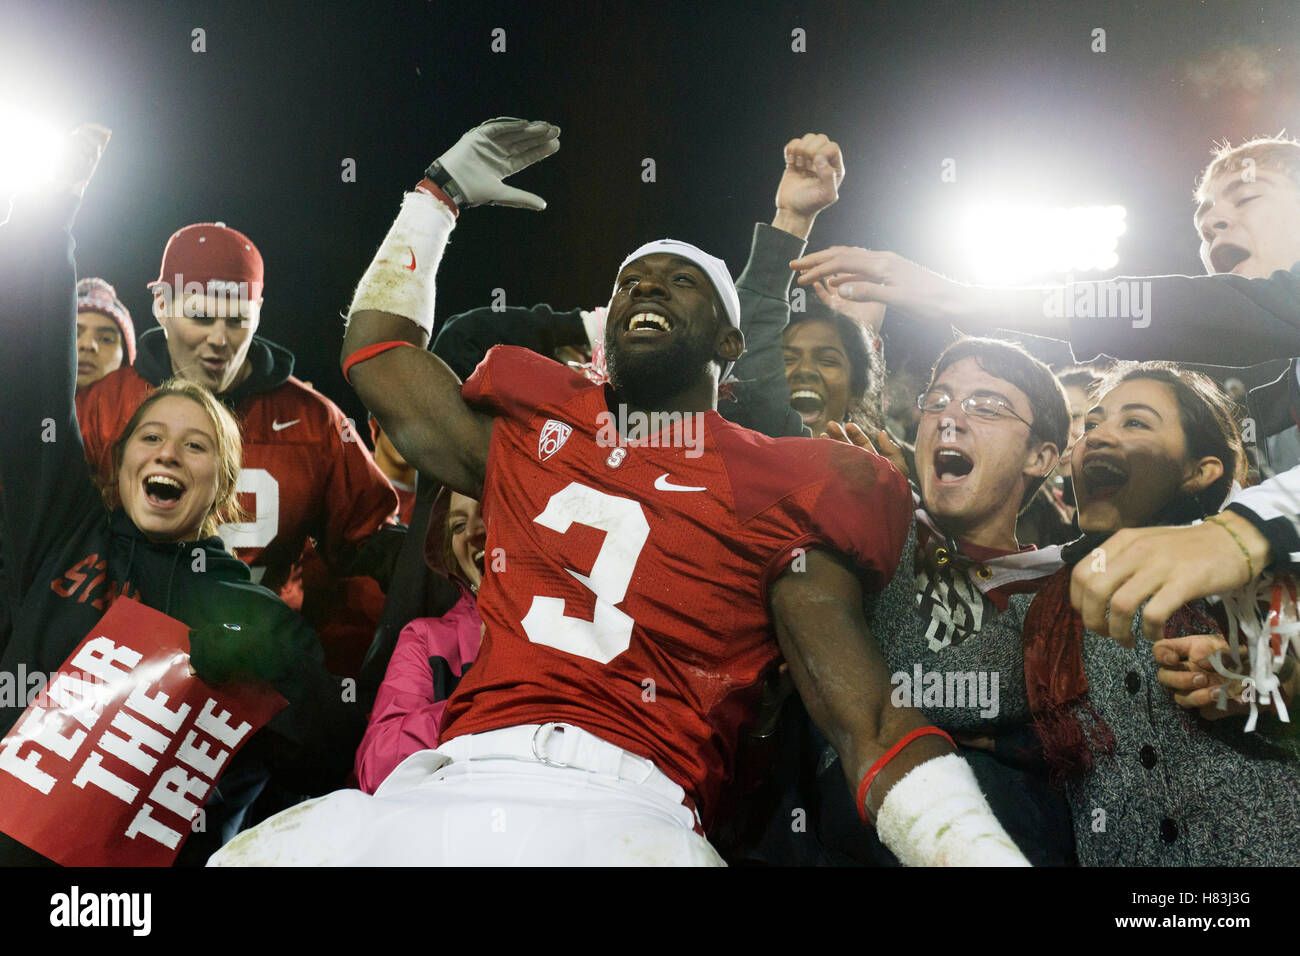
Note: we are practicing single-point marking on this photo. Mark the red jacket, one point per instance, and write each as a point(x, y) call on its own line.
point(305, 473)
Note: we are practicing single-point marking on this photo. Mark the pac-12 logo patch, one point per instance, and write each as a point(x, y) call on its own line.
point(554, 435)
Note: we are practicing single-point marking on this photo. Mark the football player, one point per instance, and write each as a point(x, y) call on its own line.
point(633, 577)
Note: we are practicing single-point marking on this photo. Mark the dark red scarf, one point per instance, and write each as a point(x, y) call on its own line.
point(1055, 680)
point(1054, 676)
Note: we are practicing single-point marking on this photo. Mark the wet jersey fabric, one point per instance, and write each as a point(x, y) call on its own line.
point(625, 586)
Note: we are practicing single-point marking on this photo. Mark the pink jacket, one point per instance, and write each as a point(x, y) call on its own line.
point(431, 656)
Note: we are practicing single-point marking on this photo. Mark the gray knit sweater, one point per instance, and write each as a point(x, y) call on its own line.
point(1176, 790)
point(946, 625)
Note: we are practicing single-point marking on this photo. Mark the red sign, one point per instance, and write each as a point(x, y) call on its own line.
point(112, 763)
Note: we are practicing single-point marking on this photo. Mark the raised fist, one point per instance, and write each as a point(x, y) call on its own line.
point(814, 170)
point(79, 156)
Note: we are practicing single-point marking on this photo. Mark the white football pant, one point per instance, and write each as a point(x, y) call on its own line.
point(536, 795)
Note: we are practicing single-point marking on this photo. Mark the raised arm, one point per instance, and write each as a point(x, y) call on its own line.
point(1178, 318)
point(927, 806)
point(47, 484)
point(814, 169)
point(412, 392)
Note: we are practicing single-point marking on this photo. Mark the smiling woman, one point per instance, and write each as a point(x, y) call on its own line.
point(432, 653)
point(1170, 426)
point(1160, 448)
point(176, 463)
point(833, 374)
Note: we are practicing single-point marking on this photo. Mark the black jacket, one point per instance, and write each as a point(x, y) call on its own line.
point(465, 338)
point(270, 366)
point(66, 557)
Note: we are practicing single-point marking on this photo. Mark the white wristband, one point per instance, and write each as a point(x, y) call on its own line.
point(400, 279)
point(937, 816)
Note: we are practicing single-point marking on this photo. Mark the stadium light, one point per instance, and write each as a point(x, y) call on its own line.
point(29, 147)
point(1006, 243)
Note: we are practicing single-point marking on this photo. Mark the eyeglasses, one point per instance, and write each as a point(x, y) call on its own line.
point(984, 407)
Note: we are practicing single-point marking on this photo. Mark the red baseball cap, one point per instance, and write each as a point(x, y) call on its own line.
point(210, 251)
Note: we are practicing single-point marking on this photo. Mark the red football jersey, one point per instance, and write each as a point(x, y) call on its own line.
point(304, 473)
point(625, 589)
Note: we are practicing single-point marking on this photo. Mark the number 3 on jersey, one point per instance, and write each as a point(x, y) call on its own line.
point(609, 632)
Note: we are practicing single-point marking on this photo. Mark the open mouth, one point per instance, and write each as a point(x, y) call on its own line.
point(808, 404)
point(214, 365)
point(163, 491)
point(1103, 478)
point(1226, 256)
point(478, 561)
point(951, 465)
point(649, 325)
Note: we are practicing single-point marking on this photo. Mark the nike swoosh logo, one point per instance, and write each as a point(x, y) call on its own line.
point(411, 267)
point(663, 484)
point(280, 426)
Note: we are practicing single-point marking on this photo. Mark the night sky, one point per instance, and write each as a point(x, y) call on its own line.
point(254, 131)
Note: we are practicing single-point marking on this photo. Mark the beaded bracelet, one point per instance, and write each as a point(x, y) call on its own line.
point(1250, 565)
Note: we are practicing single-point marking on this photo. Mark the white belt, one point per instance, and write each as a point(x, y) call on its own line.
point(562, 745)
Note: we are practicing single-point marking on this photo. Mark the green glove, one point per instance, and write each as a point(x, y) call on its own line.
point(224, 652)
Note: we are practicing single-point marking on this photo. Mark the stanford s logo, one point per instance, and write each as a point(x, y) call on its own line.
point(554, 435)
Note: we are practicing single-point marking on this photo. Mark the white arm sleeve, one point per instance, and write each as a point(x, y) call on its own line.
point(1276, 503)
point(400, 279)
point(937, 816)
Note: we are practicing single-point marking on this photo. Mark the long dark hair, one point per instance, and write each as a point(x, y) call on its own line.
point(866, 366)
point(1209, 428)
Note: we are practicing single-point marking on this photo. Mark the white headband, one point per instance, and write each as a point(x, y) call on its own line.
point(712, 266)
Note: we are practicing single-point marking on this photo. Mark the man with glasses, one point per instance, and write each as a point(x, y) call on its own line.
point(994, 421)
point(979, 455)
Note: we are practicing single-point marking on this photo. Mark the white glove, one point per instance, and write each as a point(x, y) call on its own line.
point(489, 153)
